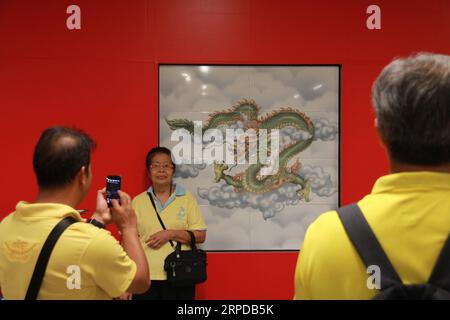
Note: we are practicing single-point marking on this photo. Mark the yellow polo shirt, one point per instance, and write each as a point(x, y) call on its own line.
point(180, 212)
point(410, 215)
point(83, 252)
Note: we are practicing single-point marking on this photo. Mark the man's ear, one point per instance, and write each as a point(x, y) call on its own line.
point(82, 175)
point(380, 136)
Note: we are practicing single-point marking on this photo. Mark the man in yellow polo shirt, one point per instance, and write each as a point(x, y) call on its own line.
point(87, 262)
point(407, 210)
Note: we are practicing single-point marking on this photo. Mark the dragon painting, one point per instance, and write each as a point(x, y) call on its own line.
point(247, 113)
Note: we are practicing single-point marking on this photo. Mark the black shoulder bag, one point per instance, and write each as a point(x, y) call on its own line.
point(44, 256)
point(184, 267)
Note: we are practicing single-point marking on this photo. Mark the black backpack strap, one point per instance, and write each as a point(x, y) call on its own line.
point(44, 256)
point(157, 214)
point(440, 277)
point(367, 244)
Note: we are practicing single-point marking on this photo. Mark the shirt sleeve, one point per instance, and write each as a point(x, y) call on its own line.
point(109, 265)
point(302, 290)
point(195, 219)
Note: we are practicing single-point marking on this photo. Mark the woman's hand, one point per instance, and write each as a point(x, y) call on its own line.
point(157, 240)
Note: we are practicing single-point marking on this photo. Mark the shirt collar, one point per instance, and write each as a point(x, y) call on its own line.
point(50, 210)
point(179, 190)
point(398, 182)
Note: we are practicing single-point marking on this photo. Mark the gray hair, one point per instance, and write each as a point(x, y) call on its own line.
point(411, 98)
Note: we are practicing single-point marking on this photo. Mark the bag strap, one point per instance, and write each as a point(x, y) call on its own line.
point(191, 234)
point(157, 214)
point(44, 256)
point(367, 244)
point(440, 275)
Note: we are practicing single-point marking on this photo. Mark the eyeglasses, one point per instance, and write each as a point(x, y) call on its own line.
point(164, 166)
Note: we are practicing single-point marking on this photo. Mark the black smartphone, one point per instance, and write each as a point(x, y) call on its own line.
point(113, 184)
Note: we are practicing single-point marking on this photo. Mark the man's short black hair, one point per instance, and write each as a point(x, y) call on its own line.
point(411, 98)
point(59, 154)
point(154, 151)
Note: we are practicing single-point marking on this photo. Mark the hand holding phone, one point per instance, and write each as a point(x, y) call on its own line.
point(113, 185)
point(123, 214)
point(102, 212)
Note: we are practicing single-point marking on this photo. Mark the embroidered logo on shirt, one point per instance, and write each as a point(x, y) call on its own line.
point(181, 213)
point(19, 251)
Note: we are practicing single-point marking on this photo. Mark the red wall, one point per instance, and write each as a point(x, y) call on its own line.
point(103, 79)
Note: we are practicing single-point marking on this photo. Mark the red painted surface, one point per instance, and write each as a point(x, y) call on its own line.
point(103, 79)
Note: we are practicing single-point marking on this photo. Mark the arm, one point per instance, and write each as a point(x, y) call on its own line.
point(301, 277)
point(125, 218)
point(160, 238)
point(133, 247)
point(184, 237)
point(301, 289)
